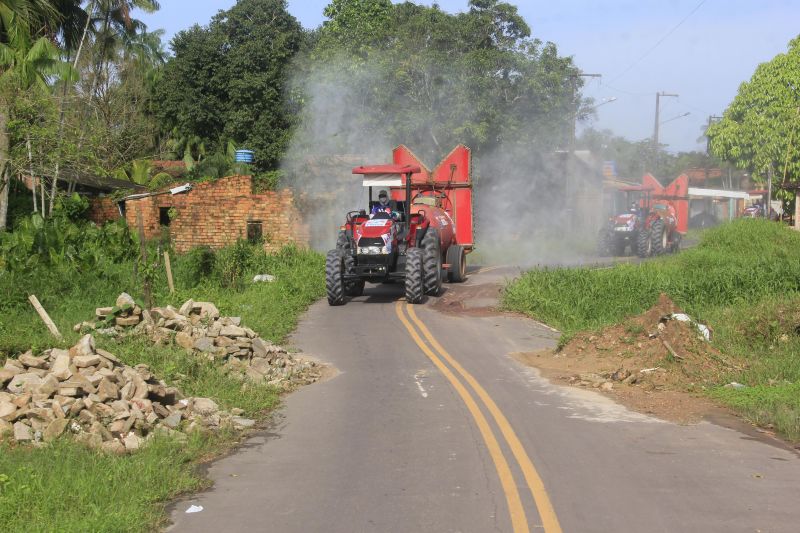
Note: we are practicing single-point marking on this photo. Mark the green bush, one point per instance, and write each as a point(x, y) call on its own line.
point(196, 265)
point(741, 261)
point(233, 261)
point(213, 167)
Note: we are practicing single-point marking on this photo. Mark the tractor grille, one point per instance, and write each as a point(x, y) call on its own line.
point(370, 241)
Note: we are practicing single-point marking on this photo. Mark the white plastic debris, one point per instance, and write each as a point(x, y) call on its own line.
point(264, 278)
point(194, 509)
point(735, 386)
point(704, 330)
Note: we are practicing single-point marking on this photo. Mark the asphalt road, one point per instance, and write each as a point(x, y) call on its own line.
point(430, 425)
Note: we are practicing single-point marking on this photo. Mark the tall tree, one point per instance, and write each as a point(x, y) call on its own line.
point(415, 74)
point(226, 81)
point(24, 61)
point(760, 129)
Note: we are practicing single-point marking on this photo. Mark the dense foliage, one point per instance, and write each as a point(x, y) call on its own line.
point(226, 82)
point(761, 127)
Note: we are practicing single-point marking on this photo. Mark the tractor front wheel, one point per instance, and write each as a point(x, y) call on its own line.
point(659, 237)
point(351, 288)
point(644, 244)
point(432, 262)
point(334, 277)
point(604, 243)
point(457, 258)
point(676, 243)
point(414, 272)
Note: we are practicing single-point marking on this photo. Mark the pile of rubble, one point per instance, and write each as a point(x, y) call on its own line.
point(87, 392)
point(199, 328)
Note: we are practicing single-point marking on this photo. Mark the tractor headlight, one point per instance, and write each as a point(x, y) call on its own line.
point(373, 250)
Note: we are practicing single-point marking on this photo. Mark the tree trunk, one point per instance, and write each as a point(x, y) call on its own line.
point(61, 117)
point(30, 171)
point(5, 183)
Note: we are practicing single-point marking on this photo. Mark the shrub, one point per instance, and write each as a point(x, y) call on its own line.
point(196, 265)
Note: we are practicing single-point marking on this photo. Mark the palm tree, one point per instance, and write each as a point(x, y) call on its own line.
point(24, 60)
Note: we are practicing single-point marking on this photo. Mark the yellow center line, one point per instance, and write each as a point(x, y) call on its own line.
point(535, 484)
point(519, 521)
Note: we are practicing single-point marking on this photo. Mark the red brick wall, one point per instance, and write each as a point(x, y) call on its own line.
point(216, 213)
point(102, 210)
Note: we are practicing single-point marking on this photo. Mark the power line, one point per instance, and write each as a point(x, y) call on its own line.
point(664, 38)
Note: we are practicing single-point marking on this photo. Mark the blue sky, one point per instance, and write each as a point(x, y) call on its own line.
point(706, 49)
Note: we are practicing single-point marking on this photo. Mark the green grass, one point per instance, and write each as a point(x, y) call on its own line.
point(66, 487)
point(741, 261)
point(743, 279)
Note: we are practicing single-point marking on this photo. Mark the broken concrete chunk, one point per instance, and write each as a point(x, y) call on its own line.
point(186, 308)
point(205, 406)
point(232, 331)
point(22, 432)
point(125, 300)
point(55, 429)
point(85, 346)
point(184, 340)
point(30, 361)
point(83, 361)
point(204, 344)
point(18, 383)
point(206, 310)
point(127, 321)
point(103, 312)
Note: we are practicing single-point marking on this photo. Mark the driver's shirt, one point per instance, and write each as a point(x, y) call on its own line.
point(379, 208)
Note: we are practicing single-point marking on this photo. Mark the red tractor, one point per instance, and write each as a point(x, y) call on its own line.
point(622, 230)
point(659, 233)
point(656, 223)
point(423, 235)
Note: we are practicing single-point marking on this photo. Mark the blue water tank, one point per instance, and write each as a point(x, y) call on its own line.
point(245, 156)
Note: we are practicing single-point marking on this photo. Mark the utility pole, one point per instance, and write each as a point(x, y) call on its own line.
point(574, 78)
point(658, 111)
point(768, 210)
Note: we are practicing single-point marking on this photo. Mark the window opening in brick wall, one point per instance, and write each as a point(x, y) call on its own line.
point(163, 216)
point(255, 231)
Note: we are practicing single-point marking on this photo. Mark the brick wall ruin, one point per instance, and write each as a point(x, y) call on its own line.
point(214, 214)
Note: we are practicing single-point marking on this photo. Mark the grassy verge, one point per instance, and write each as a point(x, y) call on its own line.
point(66, 487)
point(743, 279)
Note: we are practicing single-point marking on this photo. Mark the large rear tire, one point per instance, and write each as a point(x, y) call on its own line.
point(659, 237)
point(432, 262)
point(457, 259)
point(334, 277)
point(644, 244)
point(413, 284)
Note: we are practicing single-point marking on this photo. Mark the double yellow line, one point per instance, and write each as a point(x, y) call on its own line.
point(439, 356)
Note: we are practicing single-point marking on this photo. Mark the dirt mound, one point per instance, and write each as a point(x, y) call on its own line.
point(655, 362)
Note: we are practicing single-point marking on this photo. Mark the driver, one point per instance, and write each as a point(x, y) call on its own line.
point(383, 205)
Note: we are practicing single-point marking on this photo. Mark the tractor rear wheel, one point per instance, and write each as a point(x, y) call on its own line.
point(432, 262)
point(413, 284)
point(334, 277)
point(351, 287)
point(644, 244)
point(457, 258)
point(659, 237)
